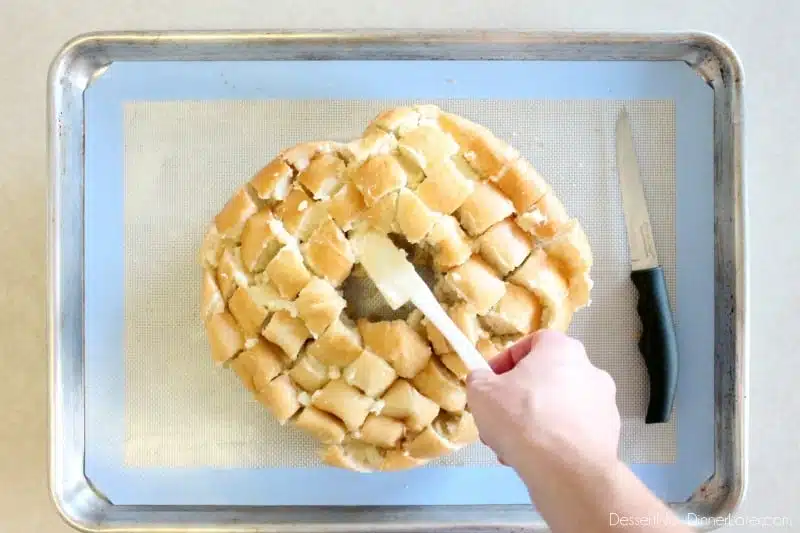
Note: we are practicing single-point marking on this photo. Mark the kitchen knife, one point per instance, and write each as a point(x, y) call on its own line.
point(657, 344)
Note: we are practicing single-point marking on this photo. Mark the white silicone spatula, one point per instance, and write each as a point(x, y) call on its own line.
point(398, 282)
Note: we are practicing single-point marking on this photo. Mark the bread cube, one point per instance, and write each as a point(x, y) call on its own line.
point(299, 156)
point(258, 365)
point(488, 348)
point(294, 212)
point(414, 219)
point(345, 402)
point(224, 336)
point(459, 429)
point(231, 220)
point(382, 431)
point(445, 188)
point(378, 176)
point(231, 272)
point(517, 313)
point(309, 373)
point(437, 340)
point(322, 175)
point(477, 284)
point(462, 316)
point(353, 455)
point(211, 248)
point(288, 332)
point(211, 298)
point(399, 459)
point(329, 254)
point(288, 272)
point(522, 184)
point(370, 373)
point(259, 241)
point(383, 214)
point(427, 145)
point(374, 141)
point(438, 384)
point(339, 346)
point(346, 206)
point(324, 427)
point(403, 402)
point(263, 293)
point(485, 207)
point(279, 396)
point(247, 312)
point(451, 246)
point(558, 316)
point(415, 321)
point(397, 343)
point(397, 120)
point(429, 444)
point(487, 154)
point(273, 181)
point(318, 304)
point(580, 287)
point(541, 275)
point(505, 246)
point(545, 219)
point(571, 248)
point(453, 362)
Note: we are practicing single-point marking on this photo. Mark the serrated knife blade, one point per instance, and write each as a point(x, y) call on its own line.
point(637, 219)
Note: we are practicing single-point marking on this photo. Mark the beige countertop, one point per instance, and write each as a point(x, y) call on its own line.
point(764, 33)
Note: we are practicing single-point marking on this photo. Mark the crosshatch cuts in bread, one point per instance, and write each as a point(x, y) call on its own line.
point(386, 395)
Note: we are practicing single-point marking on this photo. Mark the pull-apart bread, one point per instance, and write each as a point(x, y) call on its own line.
point(386, 395)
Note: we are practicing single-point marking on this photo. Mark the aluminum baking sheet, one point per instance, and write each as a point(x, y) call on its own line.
point(93, 485)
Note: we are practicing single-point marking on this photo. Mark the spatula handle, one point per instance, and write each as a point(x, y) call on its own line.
point(425, 301)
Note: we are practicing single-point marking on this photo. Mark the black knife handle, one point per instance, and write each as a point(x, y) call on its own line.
point(658, 344)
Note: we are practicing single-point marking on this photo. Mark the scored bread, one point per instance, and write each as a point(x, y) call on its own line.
point(506, 260)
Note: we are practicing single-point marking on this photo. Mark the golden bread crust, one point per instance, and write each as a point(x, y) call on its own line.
point(323, 426)
point(319, 304)
point(486, 206)
point(309, 373)
point(258, 365)
point(272, 181)
point(225, 337)
point(522, 184)
point(231, 220)
point(505, 246)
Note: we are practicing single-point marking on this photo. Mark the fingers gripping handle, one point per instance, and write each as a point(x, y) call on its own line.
point(658, 343)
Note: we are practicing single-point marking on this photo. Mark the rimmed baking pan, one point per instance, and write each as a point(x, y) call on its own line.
point(687, 88)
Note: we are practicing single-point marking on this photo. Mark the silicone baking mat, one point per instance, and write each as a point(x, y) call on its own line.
point(181, 410)
point(182, 156)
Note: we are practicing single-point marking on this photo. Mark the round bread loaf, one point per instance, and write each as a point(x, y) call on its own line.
point(504, 258)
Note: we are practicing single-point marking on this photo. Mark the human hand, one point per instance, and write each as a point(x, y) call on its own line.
point(550, 414)
point(546, 408)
